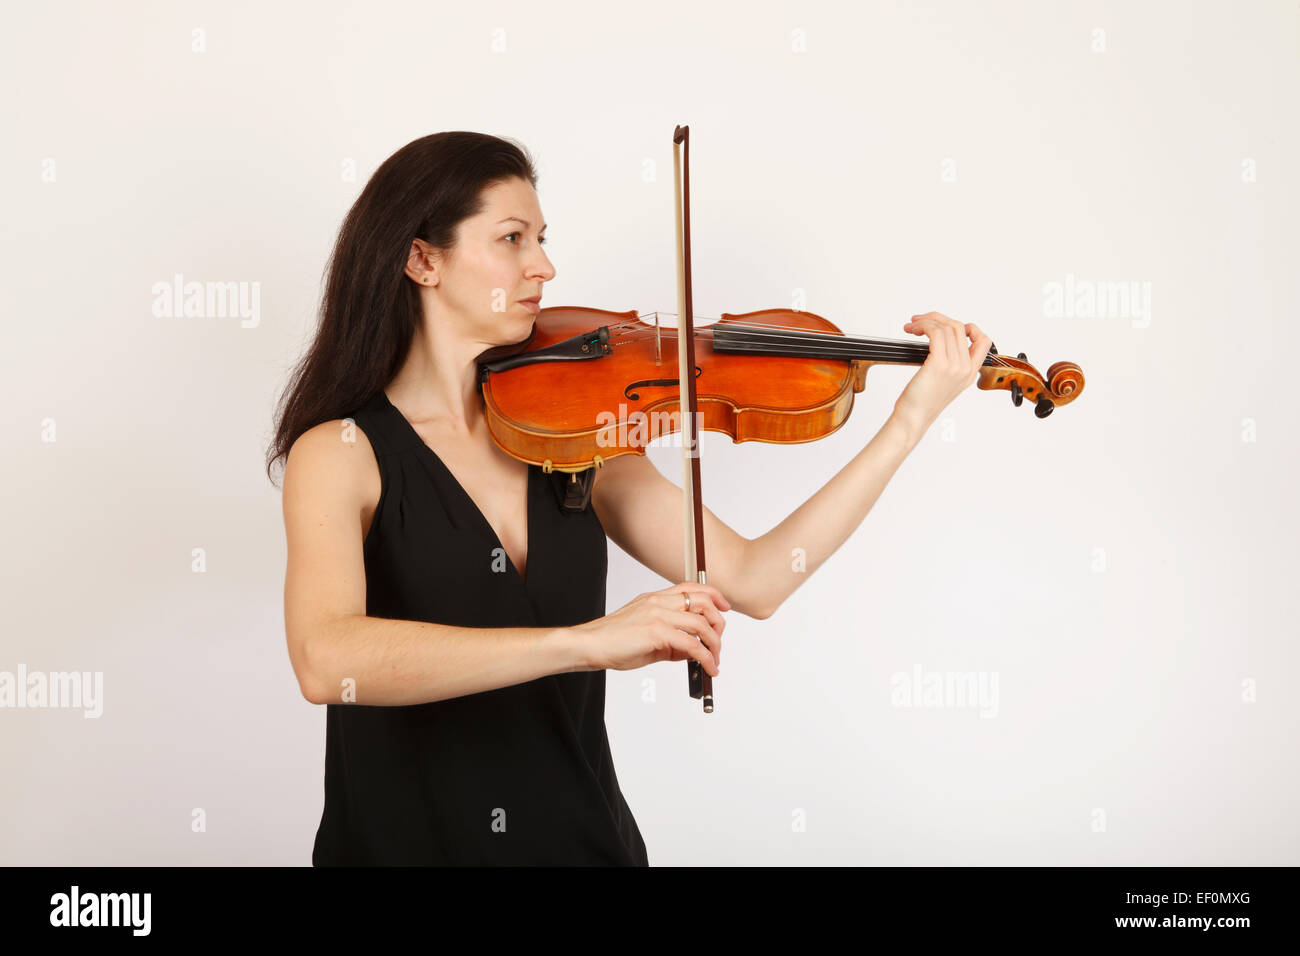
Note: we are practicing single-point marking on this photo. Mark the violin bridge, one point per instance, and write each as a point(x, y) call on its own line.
point(658, 353)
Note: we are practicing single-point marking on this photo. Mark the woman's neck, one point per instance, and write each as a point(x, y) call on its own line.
point(438, 383)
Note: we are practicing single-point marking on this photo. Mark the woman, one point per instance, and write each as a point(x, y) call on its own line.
point(438, 598)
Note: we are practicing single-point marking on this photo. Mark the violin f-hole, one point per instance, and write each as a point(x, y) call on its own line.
point(632, 396)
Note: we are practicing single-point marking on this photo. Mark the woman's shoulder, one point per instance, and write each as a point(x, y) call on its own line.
point(340, 443)
point(333, 463)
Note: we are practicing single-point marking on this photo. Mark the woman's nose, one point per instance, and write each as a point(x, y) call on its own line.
point(543, 268)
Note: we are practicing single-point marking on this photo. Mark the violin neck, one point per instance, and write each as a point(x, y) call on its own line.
point(792, 342)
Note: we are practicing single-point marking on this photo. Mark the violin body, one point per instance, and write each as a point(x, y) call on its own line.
point(571, 416)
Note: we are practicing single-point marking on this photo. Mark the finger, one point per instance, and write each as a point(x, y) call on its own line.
point(950, 326)
point(699, 599)
point(699, 628)
point(701, 603)
point(703, 606)
point(941, 341)
point(670, 600)
point(676, 598)
point(980, 343)
point(697, 625)
point(944, 320)
point(688, 645)
point(710, 613)
point(938, 341)
point(919, 323)
point(693, 587)
point(956, 343)
point(677, 645)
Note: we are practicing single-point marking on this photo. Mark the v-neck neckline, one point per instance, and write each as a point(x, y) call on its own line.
point(432, 456)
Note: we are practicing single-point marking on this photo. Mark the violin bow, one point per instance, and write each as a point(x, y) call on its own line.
point(698, 681)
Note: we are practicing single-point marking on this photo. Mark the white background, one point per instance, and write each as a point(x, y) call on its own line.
point(1125, 568)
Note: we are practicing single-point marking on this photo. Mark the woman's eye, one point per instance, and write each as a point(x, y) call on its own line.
point(540, 242)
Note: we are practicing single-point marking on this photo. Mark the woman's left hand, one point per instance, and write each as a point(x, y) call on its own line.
point(951, 367)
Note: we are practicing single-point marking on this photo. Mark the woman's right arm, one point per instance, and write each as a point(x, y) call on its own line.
point(391, 663)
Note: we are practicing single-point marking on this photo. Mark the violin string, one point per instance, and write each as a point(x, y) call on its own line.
point(802, 342)
point(765, 327)
point(836, 343)
point(849, 354)
point(769, 327)
point(814, 333)
point(795, 345)
point(891, 346)
point(801, 333)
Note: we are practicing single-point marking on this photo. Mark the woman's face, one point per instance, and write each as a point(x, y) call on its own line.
point(497, 263)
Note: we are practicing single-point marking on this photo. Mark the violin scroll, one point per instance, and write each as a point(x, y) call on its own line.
point(1063, 384)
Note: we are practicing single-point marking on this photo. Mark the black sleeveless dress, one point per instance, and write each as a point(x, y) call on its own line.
point(519, 775)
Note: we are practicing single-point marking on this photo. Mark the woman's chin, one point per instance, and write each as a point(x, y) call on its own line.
point(519, 328)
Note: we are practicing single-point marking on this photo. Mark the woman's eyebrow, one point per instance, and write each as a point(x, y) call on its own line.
point(527, 224)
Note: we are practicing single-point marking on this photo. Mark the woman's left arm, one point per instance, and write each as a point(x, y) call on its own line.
point(641, 510)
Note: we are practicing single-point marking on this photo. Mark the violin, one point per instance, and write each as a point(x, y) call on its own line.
point(776, 375)
point(588, 385)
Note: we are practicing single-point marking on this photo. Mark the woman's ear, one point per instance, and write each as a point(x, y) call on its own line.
point(423, 263)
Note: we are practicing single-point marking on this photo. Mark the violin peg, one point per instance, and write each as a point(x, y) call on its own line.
point(1023, 357)
point(1044, 407)
point(1016, 395)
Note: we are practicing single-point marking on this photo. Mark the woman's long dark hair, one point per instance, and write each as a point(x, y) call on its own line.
point(371, 308)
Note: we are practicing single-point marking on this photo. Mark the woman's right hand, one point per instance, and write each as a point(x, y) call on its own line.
point(657, 627)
